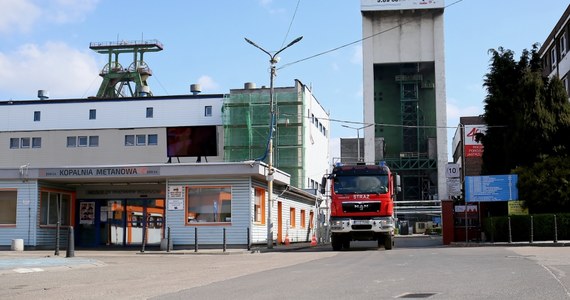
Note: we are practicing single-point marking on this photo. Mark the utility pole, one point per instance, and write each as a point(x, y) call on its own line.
point(273, 60)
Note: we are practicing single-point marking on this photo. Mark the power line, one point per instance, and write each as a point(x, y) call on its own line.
point(392, 125)
point(356, 42)
point(290, 24)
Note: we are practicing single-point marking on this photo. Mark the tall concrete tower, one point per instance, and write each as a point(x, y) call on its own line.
point(404, 92)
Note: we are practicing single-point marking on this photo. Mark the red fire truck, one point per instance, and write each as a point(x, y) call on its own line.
point(362, 204)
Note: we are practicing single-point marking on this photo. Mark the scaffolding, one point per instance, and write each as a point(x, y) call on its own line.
point(246, 128)
point(412, 156)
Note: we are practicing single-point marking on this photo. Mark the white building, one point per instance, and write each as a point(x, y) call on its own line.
point(404, 93)
point(109, 166)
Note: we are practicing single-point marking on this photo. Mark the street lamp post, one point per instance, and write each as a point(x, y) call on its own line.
point(273, 60)
point(357, 137)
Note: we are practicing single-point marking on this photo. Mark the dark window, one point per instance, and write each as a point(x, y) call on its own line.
point(25, 142)
point(92, 114)
point(129, 140)
point(149, 112)
point(82, 141)
point(36, 142)
point(71, 141)
point(152, 139)
point(208, 111)
point(14, 143)
point(141, 139)
point(94, 141)
point(37, 116)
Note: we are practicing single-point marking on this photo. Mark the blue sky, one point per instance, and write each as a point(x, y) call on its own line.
point(45, 45)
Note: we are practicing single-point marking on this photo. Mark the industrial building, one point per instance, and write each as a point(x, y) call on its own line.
point(124, 166)
point(554, 50)
point(302, 131)
point(404, 98)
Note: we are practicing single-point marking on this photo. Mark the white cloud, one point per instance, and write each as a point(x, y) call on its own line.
point(208, 83)
point(454, 112)
point(18, 16)
point(356, 55)
point(64, 71)
point(68, 11)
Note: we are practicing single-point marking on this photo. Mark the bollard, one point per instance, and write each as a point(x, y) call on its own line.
point(195, 239)
point(57, 227)
point(555, 230)
point(531, 230)
point(510, 235)
point(248, 240)
point(70, 243)
point(224, 243)
point(168, 240)
point(143, 244)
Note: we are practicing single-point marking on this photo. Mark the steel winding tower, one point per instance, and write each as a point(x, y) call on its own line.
point(117, 80)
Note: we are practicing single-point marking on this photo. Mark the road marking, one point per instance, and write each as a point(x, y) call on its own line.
point(28, 270)
point(557, 279)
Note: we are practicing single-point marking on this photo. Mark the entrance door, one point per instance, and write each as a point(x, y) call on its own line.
point(121, 222)
point(88, 223)
point(144, 221)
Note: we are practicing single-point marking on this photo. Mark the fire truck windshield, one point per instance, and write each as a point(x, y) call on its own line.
point(357, 184)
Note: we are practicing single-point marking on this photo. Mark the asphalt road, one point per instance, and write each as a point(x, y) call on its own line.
point(364, 272)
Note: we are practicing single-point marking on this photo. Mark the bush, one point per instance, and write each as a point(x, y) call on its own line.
point(497, 228)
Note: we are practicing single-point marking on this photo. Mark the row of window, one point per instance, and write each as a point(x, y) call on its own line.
point(318, 124)
point(259, 212)
point(201, 208)
point(25, 142)
point(149, 113)
point(558, 51)
point(85, 141)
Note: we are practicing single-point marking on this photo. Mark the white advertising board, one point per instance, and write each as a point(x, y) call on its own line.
point(374, 5)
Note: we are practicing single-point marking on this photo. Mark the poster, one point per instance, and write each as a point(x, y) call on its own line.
point(87, 213)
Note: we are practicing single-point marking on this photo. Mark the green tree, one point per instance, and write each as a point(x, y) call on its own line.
point(527, 114)
point(528, 119)
point(545, 186)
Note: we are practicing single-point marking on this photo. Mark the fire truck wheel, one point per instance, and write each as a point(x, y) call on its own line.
point(346, 244)
point(388, 242)
point(336, 243)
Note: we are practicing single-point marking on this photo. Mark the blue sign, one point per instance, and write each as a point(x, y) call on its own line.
point(491, 188)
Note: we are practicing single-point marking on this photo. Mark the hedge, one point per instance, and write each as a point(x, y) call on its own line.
point(497, 228)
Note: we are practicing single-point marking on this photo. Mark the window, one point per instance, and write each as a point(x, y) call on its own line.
point(563, 44)
point(37, 116)
point(311, 216)
point(303, 224)
point(141, 139)
point(36, 142)
point(292, 216)
point(25, 142)
point(81, 141)
point(149, 112)
point(71, 141)
point(14, 143)
point(94, 141)
point(8, 206)
point(50, 204)
point(553, 58)
point(92, 114)
point(129, 140)
point(209, 204)
point(259, 206)
point(152, 139)
point(208, 111)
